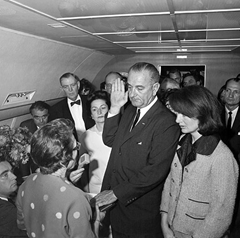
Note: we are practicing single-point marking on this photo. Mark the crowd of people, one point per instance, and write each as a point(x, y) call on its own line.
point(163, 160)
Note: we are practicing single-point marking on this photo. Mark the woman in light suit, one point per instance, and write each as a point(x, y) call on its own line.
point(200, 190)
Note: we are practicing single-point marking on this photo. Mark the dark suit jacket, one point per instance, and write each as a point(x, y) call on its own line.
point(61, 110)
point(232, 138)
point(8, 221)
point(30, 125)
point(138, 166)
point(25, 169)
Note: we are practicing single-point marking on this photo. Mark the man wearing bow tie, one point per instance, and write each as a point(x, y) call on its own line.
point(72, 107)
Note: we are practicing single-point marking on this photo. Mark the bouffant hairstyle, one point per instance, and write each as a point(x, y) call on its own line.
point(97, 95)
point(52, 145)
point(198, 102)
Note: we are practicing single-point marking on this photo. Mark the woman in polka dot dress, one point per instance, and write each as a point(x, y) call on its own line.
point(48, 204)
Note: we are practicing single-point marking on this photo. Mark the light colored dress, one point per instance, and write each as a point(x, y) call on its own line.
point(50, 206)
point(99, 155)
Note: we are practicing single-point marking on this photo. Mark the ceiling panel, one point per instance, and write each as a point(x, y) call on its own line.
point(112, 26)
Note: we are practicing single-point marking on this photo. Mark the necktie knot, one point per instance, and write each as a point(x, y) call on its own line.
point(75, 102)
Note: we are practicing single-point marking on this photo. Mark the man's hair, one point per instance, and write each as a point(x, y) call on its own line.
point(67, 75)
point(141, 66)
point(116, 73)
point(87, 85)
point(174, 71)
point(52, 145)
point(39, 105)
point(198, 102)
point(237, 80)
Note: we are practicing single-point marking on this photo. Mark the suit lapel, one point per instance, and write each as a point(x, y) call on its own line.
point(66, 110)
point(141, 124)
point(236, 122)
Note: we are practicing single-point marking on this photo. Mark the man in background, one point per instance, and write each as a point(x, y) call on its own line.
point(39, 111)
point(143, 141)
point(192, 79)
point(72, 107)
point(231, 134)
point(8, 210)
point(110, 79)
point(175, 74)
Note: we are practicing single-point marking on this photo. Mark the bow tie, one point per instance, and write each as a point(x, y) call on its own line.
point(76, 102)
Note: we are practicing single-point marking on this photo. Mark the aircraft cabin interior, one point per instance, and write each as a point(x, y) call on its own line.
point(42, 39)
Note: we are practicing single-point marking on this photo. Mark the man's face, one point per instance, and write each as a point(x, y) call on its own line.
point(40, 118)
point(70, 86)
point(232, 94)
point(189, 80)
point(176, 76)
point(110, 79)
point(8, 183)
point(141, 89)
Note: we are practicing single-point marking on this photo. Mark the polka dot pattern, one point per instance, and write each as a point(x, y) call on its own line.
point(43, 227)
point(32, 205)
point(22, 194)
point(45, 197)
point(34, 177)
point(59, 215)
point(63, 189)
point(33, 234)
point(76, 215)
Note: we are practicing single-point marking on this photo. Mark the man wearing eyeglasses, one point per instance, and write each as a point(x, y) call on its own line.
point(72, 107)
point(8, 211)
point(40, 112)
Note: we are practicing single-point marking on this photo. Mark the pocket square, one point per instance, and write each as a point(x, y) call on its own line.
point(139, 143)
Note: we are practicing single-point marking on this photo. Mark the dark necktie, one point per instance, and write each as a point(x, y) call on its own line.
point(229, 122)
point(136, 118)
point(76, 102)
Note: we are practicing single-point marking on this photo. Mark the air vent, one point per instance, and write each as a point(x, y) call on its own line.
point(18, 97)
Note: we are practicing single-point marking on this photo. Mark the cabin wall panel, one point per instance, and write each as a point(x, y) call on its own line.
point(219, 67)
point(32, 63)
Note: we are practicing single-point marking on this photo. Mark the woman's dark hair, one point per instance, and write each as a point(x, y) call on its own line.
point(198, 102)
point(52, 145)
point(86, 86)
point(97, 95)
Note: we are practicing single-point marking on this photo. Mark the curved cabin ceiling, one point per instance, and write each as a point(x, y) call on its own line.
point(130, 26)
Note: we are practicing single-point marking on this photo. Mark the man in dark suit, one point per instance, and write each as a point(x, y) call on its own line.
point(143, 147)
point(39, 111)
point(72, 107)
point(8, 211)
point(231, 135)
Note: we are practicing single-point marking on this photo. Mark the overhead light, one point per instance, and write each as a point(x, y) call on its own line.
point(181, 49)
point(181, 56)
point(57, 25)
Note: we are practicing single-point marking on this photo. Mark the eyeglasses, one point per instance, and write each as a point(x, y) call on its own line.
point(78, 146)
